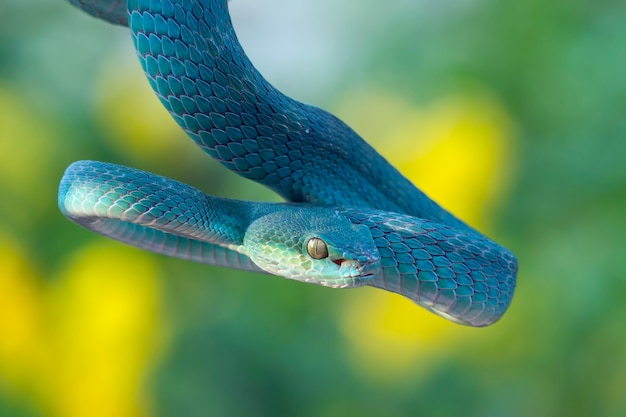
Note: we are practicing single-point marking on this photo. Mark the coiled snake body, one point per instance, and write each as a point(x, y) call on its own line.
point(351, 218)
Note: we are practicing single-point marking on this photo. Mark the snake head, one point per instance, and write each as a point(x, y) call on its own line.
point(314, 245)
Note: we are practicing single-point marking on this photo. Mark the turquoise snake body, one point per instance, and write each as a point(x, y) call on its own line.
point(351, 218)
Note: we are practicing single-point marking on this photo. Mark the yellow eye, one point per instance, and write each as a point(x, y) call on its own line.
point(317, 248)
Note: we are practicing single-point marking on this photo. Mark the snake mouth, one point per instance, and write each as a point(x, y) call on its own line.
point(355, 269)
point(338, 261)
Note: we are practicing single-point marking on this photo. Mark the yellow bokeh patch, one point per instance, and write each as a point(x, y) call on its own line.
point(27, 155)
point(84, 344)
point(462, 157)
point(134, 119)
point(391, 337)
point(107, 331)
point(22, 314)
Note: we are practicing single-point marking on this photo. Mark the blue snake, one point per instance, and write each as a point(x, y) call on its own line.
point(350, 218)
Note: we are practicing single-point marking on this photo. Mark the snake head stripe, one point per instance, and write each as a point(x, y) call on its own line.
point(314, 245)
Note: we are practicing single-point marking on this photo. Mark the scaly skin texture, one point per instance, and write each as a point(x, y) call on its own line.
point(198, 69)
point(379, 229)
point(155, 213)
point(461, 276)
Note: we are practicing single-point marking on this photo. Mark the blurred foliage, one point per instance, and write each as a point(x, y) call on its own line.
point(510, 113)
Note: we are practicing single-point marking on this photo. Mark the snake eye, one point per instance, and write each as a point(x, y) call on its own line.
point(317, 248)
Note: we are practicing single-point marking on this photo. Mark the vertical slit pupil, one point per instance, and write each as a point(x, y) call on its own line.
point(317, 248)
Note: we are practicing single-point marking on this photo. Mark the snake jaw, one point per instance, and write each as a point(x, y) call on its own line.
point(348, 269)
point(357, 263)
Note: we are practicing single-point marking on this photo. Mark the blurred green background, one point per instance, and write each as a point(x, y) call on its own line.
point(510, 113)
